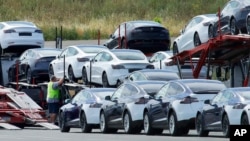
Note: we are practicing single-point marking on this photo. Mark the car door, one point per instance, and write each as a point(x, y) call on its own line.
point(58, 63)
point(225, 16)
point(114, 111)
point(184, 37)
point(95, 68)
point(158, 107)
point(212, 112)
point(100, 65)
point(74, 107)
point(22, 62)
point(157, 60)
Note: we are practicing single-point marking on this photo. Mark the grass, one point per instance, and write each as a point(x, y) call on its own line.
point(84, 19)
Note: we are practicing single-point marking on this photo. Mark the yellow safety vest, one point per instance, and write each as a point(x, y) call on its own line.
point(52, 93)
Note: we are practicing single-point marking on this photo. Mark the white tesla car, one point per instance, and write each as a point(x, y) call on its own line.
point(107, 66)
point(17, 36)
point(161, 58)
point(75, 58)
point(195, 33)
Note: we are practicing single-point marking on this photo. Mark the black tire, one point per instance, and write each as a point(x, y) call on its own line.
point(147, 125)
point(225, 126)
point(29, 77)
point(123, 44)
point(103, 124)
point(210, 32)
point(127, 124)
point(51, 71)
point(11, 76)
point(118, 83)
point(175, 49)
point(200, 128)
point(105, 81)
point(244, 120)
point(248, 25)
point(85, 127)
point(174, 128)
point(197, 40)
point(71, 75)
point(84, 77)
point(233, 29)
point(62, 123)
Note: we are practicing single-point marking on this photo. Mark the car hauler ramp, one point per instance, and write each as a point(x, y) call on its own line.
point(18, 109)
point(224, 50)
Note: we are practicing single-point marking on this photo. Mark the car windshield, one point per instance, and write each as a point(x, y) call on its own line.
point(91, 49)
point(151, 89)
point(244, 93)
point(102, 95)
point(144, 23)
point(49, 52)
point(202, 87)
point(130, 55)
point(19, 23)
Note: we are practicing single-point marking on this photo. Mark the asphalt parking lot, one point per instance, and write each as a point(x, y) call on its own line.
point(41, 134)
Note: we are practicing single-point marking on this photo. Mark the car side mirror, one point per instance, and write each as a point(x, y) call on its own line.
point(207, 101)
point(66, 101)
point(108, 97)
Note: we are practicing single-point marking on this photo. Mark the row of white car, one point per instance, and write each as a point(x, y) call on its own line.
point(96, 64)
point(177, 105)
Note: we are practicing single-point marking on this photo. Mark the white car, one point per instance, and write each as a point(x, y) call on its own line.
point(195, 33)
point(17, 36)
point(107, 66)
point(230, 107)
point(175, 105)
point(161, 59)
point(75, 58)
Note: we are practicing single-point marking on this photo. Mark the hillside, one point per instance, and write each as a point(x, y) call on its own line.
point(82, 19)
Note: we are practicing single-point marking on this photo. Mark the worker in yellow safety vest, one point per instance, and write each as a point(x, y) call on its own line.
point(53, 97)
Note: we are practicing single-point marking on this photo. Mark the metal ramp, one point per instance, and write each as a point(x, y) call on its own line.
point(48, 125)
point(223, 50)
point(9, 126)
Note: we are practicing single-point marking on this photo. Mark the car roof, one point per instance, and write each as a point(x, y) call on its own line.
point(18, 23)
point(144, 23)
point(196, 80)
point(46, 51)
point(100, 89)
point(125, 50)
point(87, 45)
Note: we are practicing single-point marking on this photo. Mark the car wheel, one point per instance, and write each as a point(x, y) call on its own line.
point(225, 126)
point(173, 125)
point(147, 125)
point(233, 28)
point(248, 25)
point(103, 124)
point(29, 77)
point(62, 123)
point(84, 77)
point(71, 75)
point(199, 127)
point(11, 75)
point(51, 71)
point(105, 82)
point(127, 123)
point(210, 32)
point(175, 49)
point(197, 40)
point(123, 44)
point(118, 83)
point(86, 128)
point(244, 120)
